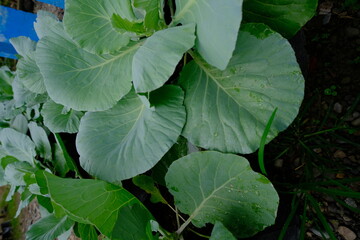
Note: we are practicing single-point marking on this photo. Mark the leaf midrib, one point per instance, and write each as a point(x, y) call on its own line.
point(188, 5)
point(127, 51)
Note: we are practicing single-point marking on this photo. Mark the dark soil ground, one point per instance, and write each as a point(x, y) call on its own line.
point(321, 148)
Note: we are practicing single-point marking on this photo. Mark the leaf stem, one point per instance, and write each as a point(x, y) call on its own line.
point(199, 234)
point(171, 6)
point(176, 212)
point(183, 226)
point(177, 217)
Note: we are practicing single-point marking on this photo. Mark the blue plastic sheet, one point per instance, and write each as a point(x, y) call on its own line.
point(58, 3)
point(15, 23)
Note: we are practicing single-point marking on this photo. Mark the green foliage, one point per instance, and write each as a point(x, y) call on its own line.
point(247, 200)
point(116, 75)
point(49, 227)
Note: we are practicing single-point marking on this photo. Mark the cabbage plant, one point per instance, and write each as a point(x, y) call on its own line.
point(164, 101)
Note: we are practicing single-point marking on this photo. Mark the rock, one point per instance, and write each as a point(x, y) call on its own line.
point(353, 159)
point(325, 7)
point(356, 122)
point(351, 202)
point(320, 234)
point(297, 162)
point(352, 32)
point(338, 108)
point(339, 154)
point(317, 150)
point(279, 163)
point(346, 233)
point(352, 117)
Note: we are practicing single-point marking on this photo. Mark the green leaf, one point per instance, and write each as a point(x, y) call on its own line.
point(46, 23)
point(24, 46)
point(211, 186)
point(156, 60)
point(129, 139)
point(49, 227)
point(65, 235)
point(217, 26)
point(79, 79)
point(8, 111)
point(89, 201)
point(59, 161)
point(147, 184)
point(24, 97)
point(87, 232)
point(125, 26)
point(228, 110)
point(88, 22)
point(133, 224)
point(178, 150)
point(41, 140)
point(2, 171)
point(59, 121)
point(20, 124)
point(27, 71)
point(69, 161)
point(220, 232)
point(263, 142)
point(6, 160)
point(17, 173)
point(25, 198)
point(6, 78)
point(46, 207)
point(154, 17)
point(285, 17)
point(18, 145)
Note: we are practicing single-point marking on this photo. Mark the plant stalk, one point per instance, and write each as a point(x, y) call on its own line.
point(183, 226)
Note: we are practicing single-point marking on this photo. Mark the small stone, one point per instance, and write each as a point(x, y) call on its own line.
point(346, 233)
point(356, 122)
point(339, 154)
point(279, 163)
point(338, 108)
point(325, 7)
point(347, 219)
point(351, 202)
point(352, 158)
point(352, 32)
point(320, 234)
point(309, 235)
point(297, 162)
point(355, 114)
point(340, 175)
point(317, 150)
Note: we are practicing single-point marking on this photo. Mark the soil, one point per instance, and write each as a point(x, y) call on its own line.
point(328, 50)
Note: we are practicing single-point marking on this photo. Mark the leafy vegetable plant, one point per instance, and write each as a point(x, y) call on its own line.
point(140, 90)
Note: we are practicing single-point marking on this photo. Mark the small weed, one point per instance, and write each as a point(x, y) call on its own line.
point(331, 91)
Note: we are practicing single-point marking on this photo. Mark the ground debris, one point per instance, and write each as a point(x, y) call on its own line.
point(346, 233)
